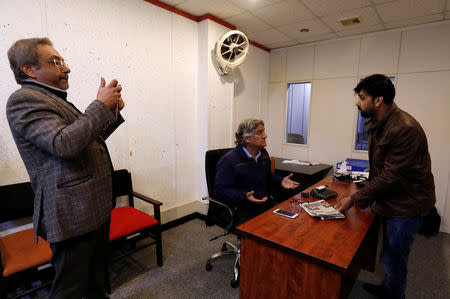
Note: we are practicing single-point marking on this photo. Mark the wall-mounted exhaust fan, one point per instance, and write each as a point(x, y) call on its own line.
point(231, 50)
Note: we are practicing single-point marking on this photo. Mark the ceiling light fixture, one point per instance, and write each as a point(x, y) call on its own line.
point(350, 21)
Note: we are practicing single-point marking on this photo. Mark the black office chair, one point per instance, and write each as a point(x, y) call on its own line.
point(219, 213)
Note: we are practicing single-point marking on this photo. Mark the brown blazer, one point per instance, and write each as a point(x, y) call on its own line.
point(66, 158)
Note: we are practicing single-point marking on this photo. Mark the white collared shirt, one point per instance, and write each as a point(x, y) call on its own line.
point(250, 155)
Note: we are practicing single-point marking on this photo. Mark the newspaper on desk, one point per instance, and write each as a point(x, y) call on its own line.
point(321, 209)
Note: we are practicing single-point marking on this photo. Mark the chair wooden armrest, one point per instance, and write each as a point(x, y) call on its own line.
point(147, 199)
point(156, 204)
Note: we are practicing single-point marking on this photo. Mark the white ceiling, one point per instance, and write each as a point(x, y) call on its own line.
point(277, 23)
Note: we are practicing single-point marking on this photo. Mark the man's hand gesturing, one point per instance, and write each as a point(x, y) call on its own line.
point(287, 183)
point(253, 199)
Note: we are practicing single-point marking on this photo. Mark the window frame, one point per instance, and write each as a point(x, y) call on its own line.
point(284, 136)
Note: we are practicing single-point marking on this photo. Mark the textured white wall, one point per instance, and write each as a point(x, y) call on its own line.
point(220, 92)
point(419, 58)
point(251, 87)
point(12, 28)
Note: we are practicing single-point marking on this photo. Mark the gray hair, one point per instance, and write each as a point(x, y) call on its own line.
point(24, 51)
point(247, 129)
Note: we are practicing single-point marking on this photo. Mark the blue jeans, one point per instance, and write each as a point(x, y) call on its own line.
point(398, 236)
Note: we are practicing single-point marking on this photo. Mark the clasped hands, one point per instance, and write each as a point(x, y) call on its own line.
point(286, 183)
point(110, 95)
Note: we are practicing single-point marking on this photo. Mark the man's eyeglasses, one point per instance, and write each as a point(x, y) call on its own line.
point(58, 63)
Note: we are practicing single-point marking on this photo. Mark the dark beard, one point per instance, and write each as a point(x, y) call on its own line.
point(366, 114)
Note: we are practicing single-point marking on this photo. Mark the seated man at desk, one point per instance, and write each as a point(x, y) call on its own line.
point(244, 176)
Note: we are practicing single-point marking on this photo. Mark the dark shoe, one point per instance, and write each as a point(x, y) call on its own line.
point(374, 289)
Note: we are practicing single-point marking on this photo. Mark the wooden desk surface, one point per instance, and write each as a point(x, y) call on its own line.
point(301, 169)
point(334, 242)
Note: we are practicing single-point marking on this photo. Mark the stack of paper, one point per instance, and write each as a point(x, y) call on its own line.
point(321, 209)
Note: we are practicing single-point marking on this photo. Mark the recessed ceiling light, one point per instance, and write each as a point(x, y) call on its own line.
point(304, 30)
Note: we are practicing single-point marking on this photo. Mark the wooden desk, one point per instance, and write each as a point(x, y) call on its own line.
point(305, 257)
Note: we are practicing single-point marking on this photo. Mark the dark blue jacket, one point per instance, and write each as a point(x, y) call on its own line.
point(238, 174)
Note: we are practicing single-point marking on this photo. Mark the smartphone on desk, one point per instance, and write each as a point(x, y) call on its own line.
point(285, 213)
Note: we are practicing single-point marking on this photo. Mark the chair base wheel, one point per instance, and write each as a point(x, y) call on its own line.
point(234, 283)
point(208, 267)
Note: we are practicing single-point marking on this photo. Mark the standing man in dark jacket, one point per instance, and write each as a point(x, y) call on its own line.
point(244, 176)
point(401, 185)
point(70, 169)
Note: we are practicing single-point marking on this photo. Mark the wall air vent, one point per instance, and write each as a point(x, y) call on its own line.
point(350, 21)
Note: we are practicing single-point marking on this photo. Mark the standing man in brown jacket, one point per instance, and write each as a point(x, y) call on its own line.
point(401, 185)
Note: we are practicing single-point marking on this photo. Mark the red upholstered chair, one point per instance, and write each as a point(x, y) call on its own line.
point(22, 261)
point(129, 225)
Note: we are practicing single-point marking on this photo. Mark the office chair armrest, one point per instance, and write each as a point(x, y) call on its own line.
point(231, 224)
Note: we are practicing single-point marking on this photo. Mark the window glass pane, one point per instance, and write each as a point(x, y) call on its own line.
point(361, 142)
point(299, 98)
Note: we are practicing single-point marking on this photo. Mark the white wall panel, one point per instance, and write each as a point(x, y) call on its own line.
point(297, 152)
point(426, 49)
point(220, 94)
point(277, 65)
point(274, 122)
point(426, 97)
point(185, 62)
point(300, 63)
point(148, 71)
point(250, 86)
point(332, 118)
point(337, 58)
point(264, 71)
point(379, 53)
point(12, 28)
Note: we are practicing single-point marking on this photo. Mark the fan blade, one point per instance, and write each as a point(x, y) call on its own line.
point(230, 57)
point(229, 51)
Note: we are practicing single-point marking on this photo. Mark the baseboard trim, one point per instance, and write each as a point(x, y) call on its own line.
point(184, 219)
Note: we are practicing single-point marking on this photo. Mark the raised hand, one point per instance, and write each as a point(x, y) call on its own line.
point(287, 183)
point(110, 95)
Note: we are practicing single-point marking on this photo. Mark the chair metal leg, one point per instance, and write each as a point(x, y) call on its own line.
point(219, 254)
point(231, 245)
point(235, 252)
point(237, 263)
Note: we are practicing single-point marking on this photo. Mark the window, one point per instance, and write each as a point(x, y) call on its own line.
point(299, 98)
point(361, 142)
